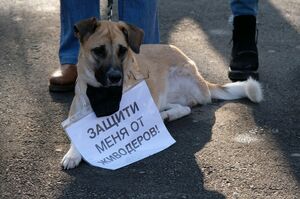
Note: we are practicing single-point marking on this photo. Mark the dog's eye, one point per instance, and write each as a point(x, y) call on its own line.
point(100, 51)
point(122, 51)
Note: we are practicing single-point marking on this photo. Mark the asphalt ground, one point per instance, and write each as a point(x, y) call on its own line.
point(233, 149)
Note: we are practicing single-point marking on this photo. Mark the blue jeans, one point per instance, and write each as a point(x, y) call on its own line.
point(244, 7)
point(142, 13)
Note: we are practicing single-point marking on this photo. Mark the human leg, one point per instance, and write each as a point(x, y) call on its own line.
point(244, 7)
point(71, 11)
point(142, 13)
point(244, 55)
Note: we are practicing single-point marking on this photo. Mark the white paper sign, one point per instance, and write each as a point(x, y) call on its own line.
point(134, 132)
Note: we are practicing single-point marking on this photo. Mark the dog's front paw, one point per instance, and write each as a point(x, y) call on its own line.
point(71, 159)
point(164, 116)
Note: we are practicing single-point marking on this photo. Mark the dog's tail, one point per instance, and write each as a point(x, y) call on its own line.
point(250, 89)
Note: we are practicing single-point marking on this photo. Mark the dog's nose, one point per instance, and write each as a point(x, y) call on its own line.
point(114, 76)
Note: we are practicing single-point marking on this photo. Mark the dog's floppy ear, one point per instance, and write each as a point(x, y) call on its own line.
point(85, 28)
point(133, 35)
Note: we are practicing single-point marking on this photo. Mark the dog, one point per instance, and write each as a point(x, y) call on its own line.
point(111, 53)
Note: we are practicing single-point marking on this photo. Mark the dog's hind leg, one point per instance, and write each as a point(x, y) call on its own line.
point(174, 111)
point(71, 159)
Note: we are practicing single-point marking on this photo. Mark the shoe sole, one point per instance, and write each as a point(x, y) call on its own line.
point(240, 75)
point(61, 88)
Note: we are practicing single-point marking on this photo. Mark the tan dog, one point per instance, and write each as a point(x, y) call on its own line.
point(173, 79)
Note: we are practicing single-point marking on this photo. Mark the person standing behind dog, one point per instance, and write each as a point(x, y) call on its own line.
point(142, 13)
point(244, 54)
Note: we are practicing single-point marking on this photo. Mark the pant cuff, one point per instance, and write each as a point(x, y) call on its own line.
point(68, 60)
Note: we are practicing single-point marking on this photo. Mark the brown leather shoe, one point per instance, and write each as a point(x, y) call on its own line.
point(63, 79)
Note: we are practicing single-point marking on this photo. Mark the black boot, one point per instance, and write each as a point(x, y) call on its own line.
point(244, 55)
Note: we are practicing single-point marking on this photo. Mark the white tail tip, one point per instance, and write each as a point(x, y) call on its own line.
point(254, 90)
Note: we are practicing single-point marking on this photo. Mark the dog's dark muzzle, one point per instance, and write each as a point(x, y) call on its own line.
point(114, 77)
point(105, 100)
point(111, 77)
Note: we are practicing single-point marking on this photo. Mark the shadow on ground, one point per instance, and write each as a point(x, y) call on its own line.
point(279, 112)
point(172, 173)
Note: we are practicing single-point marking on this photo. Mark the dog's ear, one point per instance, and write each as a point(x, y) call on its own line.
point(133, 35)
point(85, 28)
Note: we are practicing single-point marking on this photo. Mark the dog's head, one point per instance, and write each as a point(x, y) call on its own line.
point(104, 48)
point(106, 52)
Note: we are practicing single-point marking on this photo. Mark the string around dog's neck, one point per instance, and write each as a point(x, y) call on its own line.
point(110, 9)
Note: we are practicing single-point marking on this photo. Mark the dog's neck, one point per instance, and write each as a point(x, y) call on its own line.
point(132, 72)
